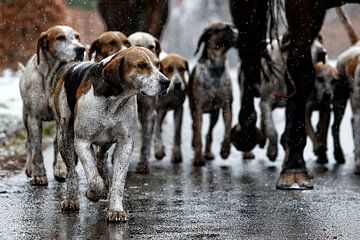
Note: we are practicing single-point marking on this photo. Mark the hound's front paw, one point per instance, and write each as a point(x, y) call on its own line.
point(225, 150)
point(116, 216)
point(28, 170)
point(209, 156)
point(60, 172)
point(176, 157)
point(339, 156)
point(69, 205)
point(160, 153)
point(198, 160)
point(142, 168)
point(96, 190)
point(39, 181)
point(272, 152)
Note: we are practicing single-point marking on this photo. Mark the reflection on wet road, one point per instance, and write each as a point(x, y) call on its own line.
point(224, 200)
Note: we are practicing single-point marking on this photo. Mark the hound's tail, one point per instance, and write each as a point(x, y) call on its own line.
point(354, 38)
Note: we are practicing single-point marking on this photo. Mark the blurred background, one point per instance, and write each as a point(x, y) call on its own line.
point(22, 21)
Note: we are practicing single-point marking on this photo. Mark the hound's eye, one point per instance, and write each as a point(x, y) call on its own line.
point(142, 65)
point(61, 38)
point(333, 81)
point(169, 69)
point(77, 36)
point(181, 69)
point(320, 79)
point(151, 47)
point(113, 43)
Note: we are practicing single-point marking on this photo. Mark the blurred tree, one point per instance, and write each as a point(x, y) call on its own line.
point(21, 22)
point(85, 4)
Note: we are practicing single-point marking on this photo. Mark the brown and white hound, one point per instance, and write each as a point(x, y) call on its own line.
point(56, 47)
point(95, 104)
point(174, 67)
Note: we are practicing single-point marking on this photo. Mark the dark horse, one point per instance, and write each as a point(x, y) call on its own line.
point(304, 18)
point(129, 16)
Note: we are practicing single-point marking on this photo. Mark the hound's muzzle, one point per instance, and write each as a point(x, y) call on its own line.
point(164, 85)
point(79, 51)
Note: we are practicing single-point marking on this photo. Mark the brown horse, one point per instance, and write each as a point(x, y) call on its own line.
point(304, 18)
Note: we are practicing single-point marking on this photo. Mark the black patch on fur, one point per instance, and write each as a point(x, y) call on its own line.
point(72, 80)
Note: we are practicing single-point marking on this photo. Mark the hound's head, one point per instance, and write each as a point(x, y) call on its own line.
point(318, 51)
point(174, 67)
point(219, 37)
point(135, 68)
point(107, 44)
point(146, 40)
point(325, 82)
point(61, 43)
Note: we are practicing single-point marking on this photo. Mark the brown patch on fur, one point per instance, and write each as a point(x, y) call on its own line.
point(116, 73)
point(57, 91)
point(322, 67)
point(83, 88)
point(48, 39)
point(351, 66)
point(173, 62)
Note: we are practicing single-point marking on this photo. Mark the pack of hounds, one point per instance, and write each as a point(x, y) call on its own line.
point(97, 103)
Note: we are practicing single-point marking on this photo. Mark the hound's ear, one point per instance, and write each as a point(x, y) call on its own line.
point(204, 38)
point(124, 39)
point(127, 43)
point(93, 48)
point(187, 67)
point(157, 47)
point(41, 43)
point(113, 72)
point(161, 68)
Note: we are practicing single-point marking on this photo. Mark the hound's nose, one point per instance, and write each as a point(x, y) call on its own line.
point(327, 96)
point(79, 51)
point(164, 82)
point(177, 86)
point(164, 85)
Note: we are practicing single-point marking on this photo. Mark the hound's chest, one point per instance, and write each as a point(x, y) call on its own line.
point(103, 121)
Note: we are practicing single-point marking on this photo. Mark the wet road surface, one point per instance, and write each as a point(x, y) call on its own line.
point(232, 199)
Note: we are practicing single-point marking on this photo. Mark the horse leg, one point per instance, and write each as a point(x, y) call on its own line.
point(305, 18)
point(250, 19)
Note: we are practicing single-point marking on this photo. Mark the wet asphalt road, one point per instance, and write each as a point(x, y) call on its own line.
point(224, 200)
point(232, 199)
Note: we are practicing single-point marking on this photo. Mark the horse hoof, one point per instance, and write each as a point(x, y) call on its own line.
point(248, 155)
point(293, 180)
point(245, 139)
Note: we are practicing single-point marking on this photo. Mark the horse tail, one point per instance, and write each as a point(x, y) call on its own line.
point(354, 38)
